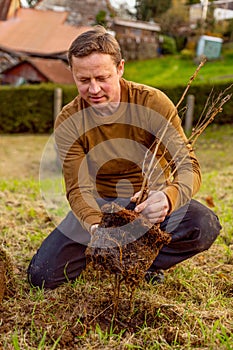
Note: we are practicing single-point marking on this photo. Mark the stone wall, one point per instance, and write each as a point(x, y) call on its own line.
point(134, 50)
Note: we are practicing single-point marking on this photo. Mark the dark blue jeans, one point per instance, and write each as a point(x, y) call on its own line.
point(61, 256)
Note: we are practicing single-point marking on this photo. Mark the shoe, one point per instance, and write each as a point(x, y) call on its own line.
point(155, 277)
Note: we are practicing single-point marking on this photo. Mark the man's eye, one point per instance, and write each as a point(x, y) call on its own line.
point(103, 78)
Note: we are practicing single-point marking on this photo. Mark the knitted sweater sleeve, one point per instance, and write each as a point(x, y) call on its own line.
point(79, 189)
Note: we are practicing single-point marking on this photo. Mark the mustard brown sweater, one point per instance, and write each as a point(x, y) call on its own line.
point(103, 156)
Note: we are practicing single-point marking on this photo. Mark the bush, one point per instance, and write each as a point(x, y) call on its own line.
point(30, 108)
point(201, 91)
point(168, 45)
point(187, 54)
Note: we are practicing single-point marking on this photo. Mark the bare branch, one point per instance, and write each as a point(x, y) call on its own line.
point(193, 77)
point(152, 166)
point(214, 109)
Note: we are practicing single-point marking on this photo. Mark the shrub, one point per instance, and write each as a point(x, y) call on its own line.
point(30, 108)
point(187, 54)
point(168, 45)
point(201, 91)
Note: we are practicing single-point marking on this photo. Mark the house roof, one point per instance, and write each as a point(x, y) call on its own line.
point(54, 70)
point(154, 27)
point(38, 32)
point(4, 8)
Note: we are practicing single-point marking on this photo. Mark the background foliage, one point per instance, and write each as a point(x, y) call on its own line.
point(29, 109)
point(150, 9)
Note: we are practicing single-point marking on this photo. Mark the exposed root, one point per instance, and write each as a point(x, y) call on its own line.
point(125, 244)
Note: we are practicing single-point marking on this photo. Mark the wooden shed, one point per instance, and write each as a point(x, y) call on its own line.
point(37, 70)
point(138, 39)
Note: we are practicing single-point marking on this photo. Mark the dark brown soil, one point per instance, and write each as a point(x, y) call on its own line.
point(2, 280)
point(6, 275)
point(125, 245)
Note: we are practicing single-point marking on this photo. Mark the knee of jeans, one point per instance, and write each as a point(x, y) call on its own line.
point(38, 277)
point(209, 229)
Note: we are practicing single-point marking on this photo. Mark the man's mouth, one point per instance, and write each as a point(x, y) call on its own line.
point(96, 99)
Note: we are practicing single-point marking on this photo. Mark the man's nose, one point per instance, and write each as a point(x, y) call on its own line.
point(94, 87)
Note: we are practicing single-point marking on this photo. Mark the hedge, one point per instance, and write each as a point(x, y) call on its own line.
point(201, 92)
point(29, 108)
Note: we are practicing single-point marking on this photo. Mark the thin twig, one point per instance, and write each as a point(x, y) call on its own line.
point(101, 312)
point(193, 77)
point(116, 294)
point(212, 112)
point(151, 164)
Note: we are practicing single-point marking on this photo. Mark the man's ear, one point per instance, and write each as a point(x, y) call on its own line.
point(120, 68)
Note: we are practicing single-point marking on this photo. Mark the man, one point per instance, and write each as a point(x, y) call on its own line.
point(106, 138)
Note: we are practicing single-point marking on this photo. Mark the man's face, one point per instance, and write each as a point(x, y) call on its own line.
point(97, 78)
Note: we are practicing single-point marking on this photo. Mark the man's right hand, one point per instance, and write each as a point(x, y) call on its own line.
point(155, 208)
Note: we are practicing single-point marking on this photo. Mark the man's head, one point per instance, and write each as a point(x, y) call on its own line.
point(96, 40)
point(97, 66)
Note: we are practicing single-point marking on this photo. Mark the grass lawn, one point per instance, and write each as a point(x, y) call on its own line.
point(172, 70)
point(192, 310)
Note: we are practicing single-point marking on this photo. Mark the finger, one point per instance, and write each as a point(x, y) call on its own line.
point(93, 228)
point(135, 196)
point(155, 219)
point(155, 215)
point(140, 207)
point(162, 212)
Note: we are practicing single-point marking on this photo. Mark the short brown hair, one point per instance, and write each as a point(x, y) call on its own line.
point(95, 40)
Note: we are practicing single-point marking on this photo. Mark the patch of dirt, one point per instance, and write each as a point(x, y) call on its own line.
point(2, 280)
point(7, 284)
point(72, 313)
point(21, 154)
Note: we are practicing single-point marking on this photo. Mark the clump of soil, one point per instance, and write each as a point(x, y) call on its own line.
point(125, 244)
point(2, 280)
point(6, 275)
